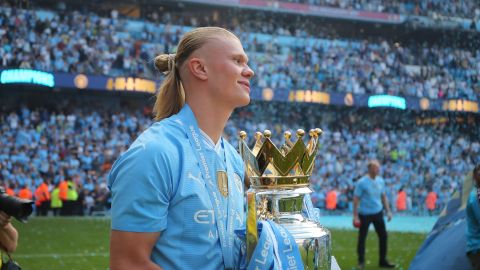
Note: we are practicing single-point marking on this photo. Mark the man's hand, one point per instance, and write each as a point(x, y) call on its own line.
point(386, 206)
point(4, 219)
point(389, 215)
point(356, 221)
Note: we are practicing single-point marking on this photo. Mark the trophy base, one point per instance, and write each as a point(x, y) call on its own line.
point(314, 243)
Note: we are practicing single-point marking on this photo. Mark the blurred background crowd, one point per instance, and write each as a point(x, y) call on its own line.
point(78, 144)
point(70, 142)
point(305, 54)
point(426, 8)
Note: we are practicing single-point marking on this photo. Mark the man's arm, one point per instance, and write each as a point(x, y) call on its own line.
point(8, 234)
point(386, 206)
point(8, 238)
point(356, 202)
point(132, 250)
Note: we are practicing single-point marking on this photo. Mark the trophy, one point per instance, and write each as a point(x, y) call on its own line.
point(279, 191)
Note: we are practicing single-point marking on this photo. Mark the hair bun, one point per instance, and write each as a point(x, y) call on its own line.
point(165, 62)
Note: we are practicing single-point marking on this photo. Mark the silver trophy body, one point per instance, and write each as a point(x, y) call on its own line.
point(279, 190)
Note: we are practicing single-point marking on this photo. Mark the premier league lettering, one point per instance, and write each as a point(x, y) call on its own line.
point(286, 240)
point(292, 264)
point(264, 253)
point(224, 231)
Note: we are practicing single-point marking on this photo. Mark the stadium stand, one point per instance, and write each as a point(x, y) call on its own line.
point(77, 43)
point(79, 143)
point(77, 137)
point(466, 9)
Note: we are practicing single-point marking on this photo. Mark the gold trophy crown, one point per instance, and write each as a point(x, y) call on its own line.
point(271, 167)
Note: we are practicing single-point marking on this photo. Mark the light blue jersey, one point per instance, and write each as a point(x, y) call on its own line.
point(369, 192)
point(157, 186)
point(473, 222)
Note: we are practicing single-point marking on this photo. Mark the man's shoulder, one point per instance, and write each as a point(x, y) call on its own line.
point(161, 135)
point(158, 143)
point(155, 150)
point(380, 179)
point(363, 180)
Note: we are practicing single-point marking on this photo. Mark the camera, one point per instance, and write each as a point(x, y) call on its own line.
point(15, 207)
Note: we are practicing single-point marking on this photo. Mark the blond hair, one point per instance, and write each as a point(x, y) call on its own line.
point(373, 162)
point(171, 95)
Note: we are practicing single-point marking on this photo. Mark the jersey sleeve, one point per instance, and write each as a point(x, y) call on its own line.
point(141, 186)
point(384, 186)
point(358, 191)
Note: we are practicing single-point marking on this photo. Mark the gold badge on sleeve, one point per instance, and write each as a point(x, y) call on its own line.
point(222, 183)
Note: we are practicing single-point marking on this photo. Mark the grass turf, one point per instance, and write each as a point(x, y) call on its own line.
point(82, 243)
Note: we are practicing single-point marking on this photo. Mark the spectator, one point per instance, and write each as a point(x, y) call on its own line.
point(42, 199)
point(331, 200)
point(401, 200)
point(25, 193)
point(431, 202)
point(56, 203)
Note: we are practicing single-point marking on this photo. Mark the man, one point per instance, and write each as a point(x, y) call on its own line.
point(369, 195)
point(42, 199)
point(401, 200)
point(431, 202)
point(473, 221)
point(177, 193)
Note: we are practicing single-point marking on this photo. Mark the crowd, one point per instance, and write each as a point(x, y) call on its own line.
point(415, 159)
point(283, 57)
point(74, 148)
point(77, 146)
point(431, 8)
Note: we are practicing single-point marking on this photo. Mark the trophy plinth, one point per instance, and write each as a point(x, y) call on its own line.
point(280, 190)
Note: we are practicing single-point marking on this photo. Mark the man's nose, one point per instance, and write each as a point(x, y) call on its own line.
point(248, 72)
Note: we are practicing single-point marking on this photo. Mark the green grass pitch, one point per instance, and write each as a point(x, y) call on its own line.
point(83, 244)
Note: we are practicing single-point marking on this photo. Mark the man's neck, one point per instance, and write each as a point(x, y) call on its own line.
point(211, 118)
point(372, 176)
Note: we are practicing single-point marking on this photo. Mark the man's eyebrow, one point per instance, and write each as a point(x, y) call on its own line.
point(243, 56)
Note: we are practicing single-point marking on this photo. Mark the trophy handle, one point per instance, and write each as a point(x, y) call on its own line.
point(251, 234)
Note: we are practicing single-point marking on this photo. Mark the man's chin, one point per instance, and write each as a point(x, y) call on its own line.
point(245, 102)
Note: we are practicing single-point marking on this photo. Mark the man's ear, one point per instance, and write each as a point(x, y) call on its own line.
point(197, 68)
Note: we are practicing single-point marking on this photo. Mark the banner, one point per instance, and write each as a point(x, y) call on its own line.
point(85, 82)
point(27, 76)
point(77, 81)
